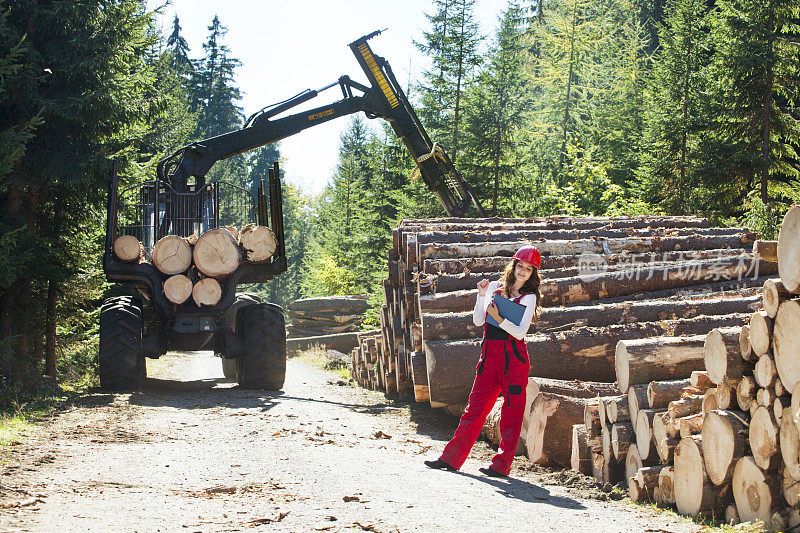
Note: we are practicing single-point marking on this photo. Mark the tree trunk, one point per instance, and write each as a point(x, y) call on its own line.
point(745, 349)
point(746, 392)
point(550, 428)
point(258, 243)
point(127, 248)
point(419, 377)
point(757, 493)
point(50, 322)
point(765, 372)
point(172, 255)
point(786, 341)
point(637, 400)
point(216, 253)
point(622, 436)
point(207, 291)
point(657, 358)
point(775, 293)
point(694, 493)
point(760, 332)
point(685, 407)
point(666, 484)
point(721, 354)
point(178, 289)
point(766, 250)
point(789, 439)
point(645, 443)
point(660, 393)
point(343, 305)
point(617, 410)
point(789, 250)
point(578, 246)
point(764, 439)
point(691, 425)
point(581, 459)
point(725, 434)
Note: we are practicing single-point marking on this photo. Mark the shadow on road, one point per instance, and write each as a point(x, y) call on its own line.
point(519, 489)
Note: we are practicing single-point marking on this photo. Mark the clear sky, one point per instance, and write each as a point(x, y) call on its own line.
point(289, 46)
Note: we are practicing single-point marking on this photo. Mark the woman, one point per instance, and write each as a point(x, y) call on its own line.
point(503, 366)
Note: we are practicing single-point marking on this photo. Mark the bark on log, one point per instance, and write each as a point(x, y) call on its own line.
point(700, 380)
point(442, 326)
point(760, 332)
point(637, 400)
point(617, 410)
point(342, 342)
point(780, 406)
point(344, 305)
point(258, 243)
point(460, 301)
point(694, 493)
point(207, 291)
point(622, 436)
point(764, 439)
point(725, 434)
point(497, 264)
point(581, 458)
point(721, 354)
point(710, 400)
point(775, 293)
point(732, 515)
point(685, 407)
point(127, 248)
point(591, 418)
point(638, 493)
point(550, 428)
point(172, 255)
point(766, 250)
point(757, 493)
point(178, 289)
point(660, 358)
point(786, 340)
point(216, 253)
point(600, 246)
point(660, 393)
point(691, 425)
point(789, 439)
point(419, 377)
point(666, 484)
point(582, 353)
point(789, 250)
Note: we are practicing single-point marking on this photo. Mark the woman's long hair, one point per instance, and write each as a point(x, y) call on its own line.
point(531, 285)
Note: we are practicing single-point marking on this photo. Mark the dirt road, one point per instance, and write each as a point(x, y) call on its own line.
point(192, 452)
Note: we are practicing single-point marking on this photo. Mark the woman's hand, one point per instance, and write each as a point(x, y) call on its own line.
point(482, 286)
point(494, 312)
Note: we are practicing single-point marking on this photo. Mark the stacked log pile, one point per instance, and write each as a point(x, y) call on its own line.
point(655, 276)
point(728, 444)
point(312, 317)
point(194, 267)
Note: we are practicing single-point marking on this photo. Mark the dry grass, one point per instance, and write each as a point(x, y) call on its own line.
point(319, 357)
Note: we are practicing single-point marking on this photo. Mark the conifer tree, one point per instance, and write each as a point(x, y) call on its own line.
point(179, 48)
point(496, 110)
point(452, 45)
point(757, 68)
point(677, 109)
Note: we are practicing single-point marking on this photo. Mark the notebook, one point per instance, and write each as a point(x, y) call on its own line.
point(508, 309)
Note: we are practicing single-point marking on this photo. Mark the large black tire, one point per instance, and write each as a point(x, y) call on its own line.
point(262, 363)
point(122, 363)
point(242, 299)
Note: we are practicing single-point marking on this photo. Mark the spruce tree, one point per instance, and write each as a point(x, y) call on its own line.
point(677, 109)
point(179, 48)
point(453, 47)
point(496, 110)
point(757, 68)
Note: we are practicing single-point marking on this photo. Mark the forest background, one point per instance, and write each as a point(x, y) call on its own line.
point(578, 107)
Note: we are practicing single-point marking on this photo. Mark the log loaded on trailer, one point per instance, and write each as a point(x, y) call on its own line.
point(186, 243)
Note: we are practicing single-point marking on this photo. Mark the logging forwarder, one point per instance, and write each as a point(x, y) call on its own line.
point(247, 333)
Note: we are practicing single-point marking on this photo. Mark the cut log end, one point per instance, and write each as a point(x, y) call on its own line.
point(216, 253)
point(172, 255)
point(178, 289)
point(127, 248)
point(207, 291)
point(258, 242)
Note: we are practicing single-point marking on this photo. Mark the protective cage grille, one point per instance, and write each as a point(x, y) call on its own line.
point(154, 209)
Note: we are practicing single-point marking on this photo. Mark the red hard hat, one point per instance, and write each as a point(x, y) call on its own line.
point(529, 254)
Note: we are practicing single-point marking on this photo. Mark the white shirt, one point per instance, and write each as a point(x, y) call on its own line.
point(482, 304)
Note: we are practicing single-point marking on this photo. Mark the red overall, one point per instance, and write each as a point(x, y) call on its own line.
point(502, 368)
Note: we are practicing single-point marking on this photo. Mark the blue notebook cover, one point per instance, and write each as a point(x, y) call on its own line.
point(508, 309)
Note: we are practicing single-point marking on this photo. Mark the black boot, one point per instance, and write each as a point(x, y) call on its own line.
point(438, 464)
point(491, 472)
